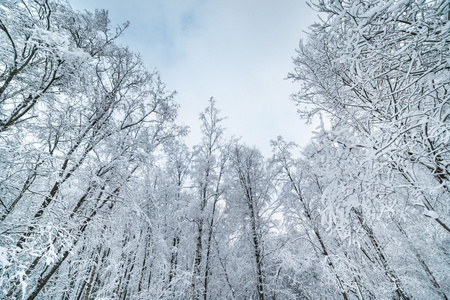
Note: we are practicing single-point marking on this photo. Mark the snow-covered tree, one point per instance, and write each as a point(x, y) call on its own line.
point(378, 70)
point(80, 145)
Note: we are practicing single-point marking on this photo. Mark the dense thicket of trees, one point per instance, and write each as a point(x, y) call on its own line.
point(101, 199)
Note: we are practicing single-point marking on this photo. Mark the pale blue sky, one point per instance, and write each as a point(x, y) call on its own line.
point(237, 51)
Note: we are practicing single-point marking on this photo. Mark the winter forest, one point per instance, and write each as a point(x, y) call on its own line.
point(101, 198)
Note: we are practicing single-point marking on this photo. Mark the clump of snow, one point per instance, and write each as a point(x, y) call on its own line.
point(3, 257)
point(431, 214)
point(22, 275)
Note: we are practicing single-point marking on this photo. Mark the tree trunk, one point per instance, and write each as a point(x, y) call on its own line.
point(173, 261)
point(422, 263)
point(197, 261)
point(399, 290)
point(44, 279)
point(210, 235)
point(307, 214)
point(258, 256)
point(199, 245)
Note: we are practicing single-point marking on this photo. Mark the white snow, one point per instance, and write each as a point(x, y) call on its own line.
point(432, 214)
point(3, 258)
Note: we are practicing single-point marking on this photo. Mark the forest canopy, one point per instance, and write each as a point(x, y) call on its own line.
point(101, 198)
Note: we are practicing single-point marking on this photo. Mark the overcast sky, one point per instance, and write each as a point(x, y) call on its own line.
point(237, 51)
